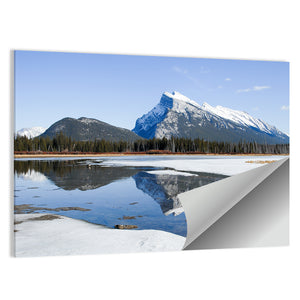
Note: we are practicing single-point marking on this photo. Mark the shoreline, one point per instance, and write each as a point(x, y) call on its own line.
point(46, 155)
point(42, 234)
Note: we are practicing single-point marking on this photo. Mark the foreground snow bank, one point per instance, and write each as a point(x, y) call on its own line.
point(66, 236)
point(225, 165)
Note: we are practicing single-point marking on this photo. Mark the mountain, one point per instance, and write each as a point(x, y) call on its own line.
point(85, 129)
point(31, 132)
point(177, 115)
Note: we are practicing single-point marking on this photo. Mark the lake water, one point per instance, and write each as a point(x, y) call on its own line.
point(89, 190)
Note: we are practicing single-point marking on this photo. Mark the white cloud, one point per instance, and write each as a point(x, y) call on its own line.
point(254, 89)
point(284, 107)
point(259, 88)
point(220, 86)
point(244, 90)
point(187, 75)
point(203, 70)
point(227, 79)
point(179, 70)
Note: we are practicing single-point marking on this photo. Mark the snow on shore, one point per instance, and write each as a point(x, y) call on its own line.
point(225, 165)
point(66, 236)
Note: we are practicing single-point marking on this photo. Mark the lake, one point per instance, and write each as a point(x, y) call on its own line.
point(110, 195)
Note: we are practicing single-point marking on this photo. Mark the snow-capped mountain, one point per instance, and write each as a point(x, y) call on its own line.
point(177, 115)
point(241, 118)
point(31, 132)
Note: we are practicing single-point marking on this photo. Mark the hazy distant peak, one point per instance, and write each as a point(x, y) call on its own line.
point(31, 132)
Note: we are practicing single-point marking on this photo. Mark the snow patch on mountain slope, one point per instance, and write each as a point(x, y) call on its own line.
point(239, 117)
point(87, 120)
point(181, 99)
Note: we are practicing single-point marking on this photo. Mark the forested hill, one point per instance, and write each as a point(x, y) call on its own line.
point(87, 129)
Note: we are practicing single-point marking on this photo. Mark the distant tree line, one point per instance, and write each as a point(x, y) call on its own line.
point(64, 144)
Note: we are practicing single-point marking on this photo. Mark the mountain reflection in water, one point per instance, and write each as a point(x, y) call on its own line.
point(164, 188)
point(112, 195)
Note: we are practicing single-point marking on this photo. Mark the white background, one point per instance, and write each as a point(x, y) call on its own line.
point(216, 29)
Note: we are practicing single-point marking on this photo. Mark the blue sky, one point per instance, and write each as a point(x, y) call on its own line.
point(118, 89)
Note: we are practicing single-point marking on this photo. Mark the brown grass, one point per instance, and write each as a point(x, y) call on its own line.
point(28, 208)
point(260, 161)
point(45, 218)
point(128, 218)
point(121, 226)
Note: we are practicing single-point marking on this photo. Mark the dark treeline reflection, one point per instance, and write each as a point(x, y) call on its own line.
point(74, 174)
point(60, 167)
